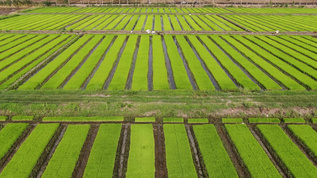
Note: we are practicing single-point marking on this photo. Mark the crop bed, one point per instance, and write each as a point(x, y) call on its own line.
point(166, 22)
point(145, 90)
point(137, 62)
point(146, 147)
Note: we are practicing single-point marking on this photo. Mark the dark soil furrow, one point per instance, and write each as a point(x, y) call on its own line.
point(211, 77)
point(171, 80)
point(45, 155)
point(160, 155)
point(189, 72)
point(232, 151)
point(132, 67)
point(115, 65)
point(60, 134)
point(14, 148)
point(84, 85)
point(266, 150)
point(85, 152)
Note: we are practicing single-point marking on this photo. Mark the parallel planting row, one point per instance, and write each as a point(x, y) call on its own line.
point(119, 22)
point(152, 62)
point(172, 10)
point(187, 22)
point(150, 149)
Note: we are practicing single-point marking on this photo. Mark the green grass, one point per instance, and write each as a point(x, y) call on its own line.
point(67, 152)
point(293, 158)
point(307, 135)
point(24, 160)
point(179, 160)
point(3, 118)
point(216, 159)
point(264, 120)
point(141, 161)
point(173, 120)
point(202, 120)
point(102, 157)
point(145, 119)
point(22, 118)
point(252, 154)
point(232, 120)
point(314, 120)
point(294, 120)
point(8, 135)
point(83, 119)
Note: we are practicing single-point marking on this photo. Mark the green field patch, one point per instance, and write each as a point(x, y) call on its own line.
point(83, 119)
point(145, 119)
point(294, 159)
point(173, 119)
point(24, 160)
point(232, 120)
point(141, 162)
point(3, 118)
point(314, 120)
point(103, 153)
point(294, 120)
point(198, 120)
point(8, 135)
point(264, 120)
point(22, 118)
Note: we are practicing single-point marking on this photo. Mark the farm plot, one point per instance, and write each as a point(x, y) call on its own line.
point(28, 54)
point(80, 22)
point(52, 149)
point(260, 23)
point(39, 22)
point(141, 161)
point(251, 152)
point(24, 160)
point(289, 154)
point(152, 62)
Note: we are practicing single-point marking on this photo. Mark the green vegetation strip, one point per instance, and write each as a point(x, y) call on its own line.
point(179, 160)
point(145, 119)
point(8, 135)
point(251, 152)
point(173, 120)
point(141, 160)
point(24, 160)
point(294, 120)
point(22, 118)
point(202, 120)
point(67, 153)
point(103, 153)
point(83, 119)
point(307, 135)
point(232, 120)
point(295, 161)
point(264, 120)
point(216, 159)
point(3, 118)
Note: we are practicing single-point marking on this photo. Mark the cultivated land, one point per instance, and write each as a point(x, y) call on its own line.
point(158, 92)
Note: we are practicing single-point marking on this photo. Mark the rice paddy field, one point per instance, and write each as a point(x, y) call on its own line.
point(158, 92)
